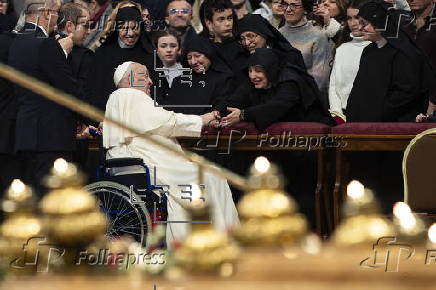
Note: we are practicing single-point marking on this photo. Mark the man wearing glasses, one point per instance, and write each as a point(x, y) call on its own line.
point(45, 130)
point(76, 22)
point(178, 18)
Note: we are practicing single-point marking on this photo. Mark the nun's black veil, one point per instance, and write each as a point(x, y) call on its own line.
point(109, 55)
point(276, 74)
point(130, 13)
point(258, 24)
point(387, 20)
point(199, 44)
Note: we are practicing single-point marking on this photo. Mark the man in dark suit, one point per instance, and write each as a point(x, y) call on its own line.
point(45, 131)
point(76, 22)
point(10, 165)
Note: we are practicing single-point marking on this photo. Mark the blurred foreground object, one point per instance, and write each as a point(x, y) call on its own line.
point(71, 215)
point(410, 227)
point(205, 250)
point(268, 215)
point(21, 224)
point(363, 223)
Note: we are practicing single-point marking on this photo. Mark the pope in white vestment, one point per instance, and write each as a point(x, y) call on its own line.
point(135, 108)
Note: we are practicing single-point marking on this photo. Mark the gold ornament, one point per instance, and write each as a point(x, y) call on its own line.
point(71, 215)
point(20, 225)
point(268, 215)
point(205, 250)
point(363, 223)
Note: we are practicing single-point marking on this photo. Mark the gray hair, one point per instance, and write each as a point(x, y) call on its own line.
point(32, 7)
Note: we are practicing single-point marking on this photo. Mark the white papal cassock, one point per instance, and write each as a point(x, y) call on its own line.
point(136, 109)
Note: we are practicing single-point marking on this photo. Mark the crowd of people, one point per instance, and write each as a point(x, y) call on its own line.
point(228, 61)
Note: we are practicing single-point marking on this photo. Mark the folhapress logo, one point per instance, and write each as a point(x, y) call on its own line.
point(387, 254)
point(38, 254)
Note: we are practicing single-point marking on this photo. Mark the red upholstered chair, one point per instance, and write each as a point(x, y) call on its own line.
point(382, 128)
point(296, 128)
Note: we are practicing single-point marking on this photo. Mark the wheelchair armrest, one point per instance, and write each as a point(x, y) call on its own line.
point(121, 162)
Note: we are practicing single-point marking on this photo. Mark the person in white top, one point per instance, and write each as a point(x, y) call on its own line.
point(346, 64)
point(265, 9)
point(168, 48)
point(132, 105)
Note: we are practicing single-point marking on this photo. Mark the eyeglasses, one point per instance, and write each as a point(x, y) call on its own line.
point(85, 25)
point(291, 5)
point(176, 11)
point(248, 38)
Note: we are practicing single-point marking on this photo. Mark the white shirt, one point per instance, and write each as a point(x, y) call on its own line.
point(345, 68)
point(172, 72)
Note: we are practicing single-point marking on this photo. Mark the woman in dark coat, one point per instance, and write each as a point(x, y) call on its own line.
point(394, 79)
point(256, 32)
point(120, 46)
point(274, 95)
point(8, 18)
point(206, 87)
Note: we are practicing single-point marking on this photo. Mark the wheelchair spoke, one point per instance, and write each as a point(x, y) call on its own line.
point(124, 216)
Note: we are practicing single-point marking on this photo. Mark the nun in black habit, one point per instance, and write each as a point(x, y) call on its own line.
point(394, 78)
point(264, 35)
point(9, 19)
point(114, 51)
point(288, 96)
point(208, 86)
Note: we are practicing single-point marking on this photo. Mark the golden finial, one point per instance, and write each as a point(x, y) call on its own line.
point(205, 250)
point(71, 214)
point(20, 224)
point(268, 215)
point(362, 223)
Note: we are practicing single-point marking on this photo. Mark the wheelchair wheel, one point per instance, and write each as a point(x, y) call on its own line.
point(125, 216)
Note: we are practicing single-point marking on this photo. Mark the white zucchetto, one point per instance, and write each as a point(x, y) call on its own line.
point(120, 71)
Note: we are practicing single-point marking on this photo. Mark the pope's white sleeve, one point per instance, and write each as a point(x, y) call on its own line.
point(180, 125)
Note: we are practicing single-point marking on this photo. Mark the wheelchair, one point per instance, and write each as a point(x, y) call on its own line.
point(128, 199)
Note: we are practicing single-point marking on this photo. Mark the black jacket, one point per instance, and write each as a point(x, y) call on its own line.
point(42, 125)
point(80, 60)
point(8, 104)
point(201, 95)
point(292, 95)
point(387, 87)
point(106, 59)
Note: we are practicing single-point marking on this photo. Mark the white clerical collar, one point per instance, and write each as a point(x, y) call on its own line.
point(123, 45)
point(42, 28)
point(382, 42)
